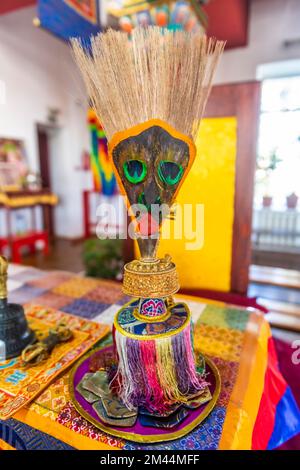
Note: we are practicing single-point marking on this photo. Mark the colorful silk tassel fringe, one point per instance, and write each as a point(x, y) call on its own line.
point(156, 373)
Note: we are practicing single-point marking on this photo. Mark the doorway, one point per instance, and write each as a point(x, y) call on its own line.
point(276, 215)
point(43, 147)
point(43, 136)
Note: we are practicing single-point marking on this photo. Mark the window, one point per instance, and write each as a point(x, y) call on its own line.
point(278, 172)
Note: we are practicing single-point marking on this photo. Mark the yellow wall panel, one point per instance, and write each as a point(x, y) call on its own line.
point(210, 182)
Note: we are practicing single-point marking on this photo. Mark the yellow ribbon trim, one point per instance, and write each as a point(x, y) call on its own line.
point(5, 446)
point(32, 200)
point(200, 300)
point(154, 319)
point(245, 399)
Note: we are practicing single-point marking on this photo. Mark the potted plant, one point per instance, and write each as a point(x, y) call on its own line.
point(265, 165)
point(267, 201)
point(292, 201)
point(103, 258)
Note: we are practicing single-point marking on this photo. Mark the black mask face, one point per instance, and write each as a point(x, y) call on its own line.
point(151, 167)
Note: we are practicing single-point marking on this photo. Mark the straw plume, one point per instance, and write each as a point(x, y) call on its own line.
point(157, 74)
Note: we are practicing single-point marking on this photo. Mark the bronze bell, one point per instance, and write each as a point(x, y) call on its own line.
point(14, 330)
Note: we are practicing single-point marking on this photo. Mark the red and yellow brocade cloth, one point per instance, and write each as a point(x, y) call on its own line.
point(255, 410)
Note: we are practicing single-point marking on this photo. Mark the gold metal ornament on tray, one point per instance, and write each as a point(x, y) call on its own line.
point(150, 93)
point(37, 353)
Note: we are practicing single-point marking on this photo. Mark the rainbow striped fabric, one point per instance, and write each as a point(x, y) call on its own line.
point(255, 410)
point(103, 175)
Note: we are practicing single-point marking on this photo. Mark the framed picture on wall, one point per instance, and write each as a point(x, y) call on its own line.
point(13, 163)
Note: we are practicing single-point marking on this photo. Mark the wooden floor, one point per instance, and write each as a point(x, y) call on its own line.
point(65, 255)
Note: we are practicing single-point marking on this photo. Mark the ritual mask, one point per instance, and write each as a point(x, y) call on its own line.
point(151, 161)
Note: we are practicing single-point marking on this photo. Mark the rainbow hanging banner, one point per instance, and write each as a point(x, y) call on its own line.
point(103, 175)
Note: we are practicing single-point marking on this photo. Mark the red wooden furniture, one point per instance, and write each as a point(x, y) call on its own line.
point(17, 242)
point(11, 201)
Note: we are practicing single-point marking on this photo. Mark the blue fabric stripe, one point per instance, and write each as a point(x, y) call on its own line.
point(24, 437)
point(287, 420)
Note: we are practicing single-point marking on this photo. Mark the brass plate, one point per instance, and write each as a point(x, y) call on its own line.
point(149, 438)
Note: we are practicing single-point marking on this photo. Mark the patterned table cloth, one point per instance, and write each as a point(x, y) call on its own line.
point(255, 410)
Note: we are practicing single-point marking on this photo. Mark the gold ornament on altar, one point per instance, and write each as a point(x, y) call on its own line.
point(3, 277)
point(156, 278)
point(183, 15)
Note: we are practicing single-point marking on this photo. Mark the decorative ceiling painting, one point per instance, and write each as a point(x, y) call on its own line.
point(86, 8)
point(69, 18)
point(174, 15)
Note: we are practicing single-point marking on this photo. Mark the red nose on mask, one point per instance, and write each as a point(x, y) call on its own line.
point(147, 225)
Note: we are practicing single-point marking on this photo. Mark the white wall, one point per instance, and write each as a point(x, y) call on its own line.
point(271, 23)
point(38, 72)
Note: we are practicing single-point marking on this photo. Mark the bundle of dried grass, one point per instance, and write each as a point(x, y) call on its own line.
point(157, 75)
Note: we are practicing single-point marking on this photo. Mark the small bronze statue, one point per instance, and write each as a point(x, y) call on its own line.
point(14, 330)
point(36, 353)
